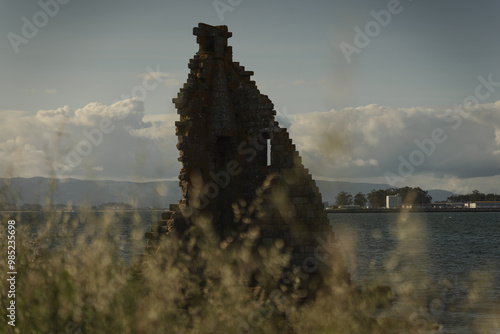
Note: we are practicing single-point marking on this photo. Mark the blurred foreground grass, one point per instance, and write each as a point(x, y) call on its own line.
point(197, 285)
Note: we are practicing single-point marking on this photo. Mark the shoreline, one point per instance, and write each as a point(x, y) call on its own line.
point(327, 210)
point(77, 211)
point(457, 210)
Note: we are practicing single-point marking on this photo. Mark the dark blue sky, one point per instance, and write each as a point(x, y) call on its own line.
point(430, 53)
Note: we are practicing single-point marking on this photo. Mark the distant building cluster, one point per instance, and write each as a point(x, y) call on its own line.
point(393, 201)
point(468, 205)
point(482, 205)
point(448, 205)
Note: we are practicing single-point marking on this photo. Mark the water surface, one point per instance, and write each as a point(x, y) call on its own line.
point(444, 266)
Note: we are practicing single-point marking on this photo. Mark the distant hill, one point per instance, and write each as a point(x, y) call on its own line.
point(439, 195)
point(84, 192)
point(140, 194)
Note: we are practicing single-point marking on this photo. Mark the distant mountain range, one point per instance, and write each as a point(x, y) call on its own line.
point(140, 194)
point(87, 193)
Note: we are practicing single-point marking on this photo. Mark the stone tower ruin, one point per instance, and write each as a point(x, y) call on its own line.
point(233, 151)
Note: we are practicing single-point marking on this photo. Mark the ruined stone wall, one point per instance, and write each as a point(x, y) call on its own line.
point(224, 119)
point(225, 130)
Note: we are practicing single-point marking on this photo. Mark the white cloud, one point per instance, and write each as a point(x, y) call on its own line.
point(363, 163)
point(366, 142)
point(361, 143)
point(96, 141)
point(24, 158)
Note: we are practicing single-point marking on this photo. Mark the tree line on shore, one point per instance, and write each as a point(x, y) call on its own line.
point(474, 196)
point(409, 195)
point(376, 198)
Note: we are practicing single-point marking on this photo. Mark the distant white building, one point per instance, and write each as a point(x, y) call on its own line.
point(483, 204)
point(411, 206)
point(393, 202)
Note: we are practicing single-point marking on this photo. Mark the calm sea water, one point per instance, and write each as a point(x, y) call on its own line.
point(444, 267)
point(57, 231)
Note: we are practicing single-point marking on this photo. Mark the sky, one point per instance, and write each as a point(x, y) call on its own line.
point(399, 92)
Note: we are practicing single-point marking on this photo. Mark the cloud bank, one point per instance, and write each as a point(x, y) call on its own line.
point(98, 141)
point(431, 147)
point(401, 146)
